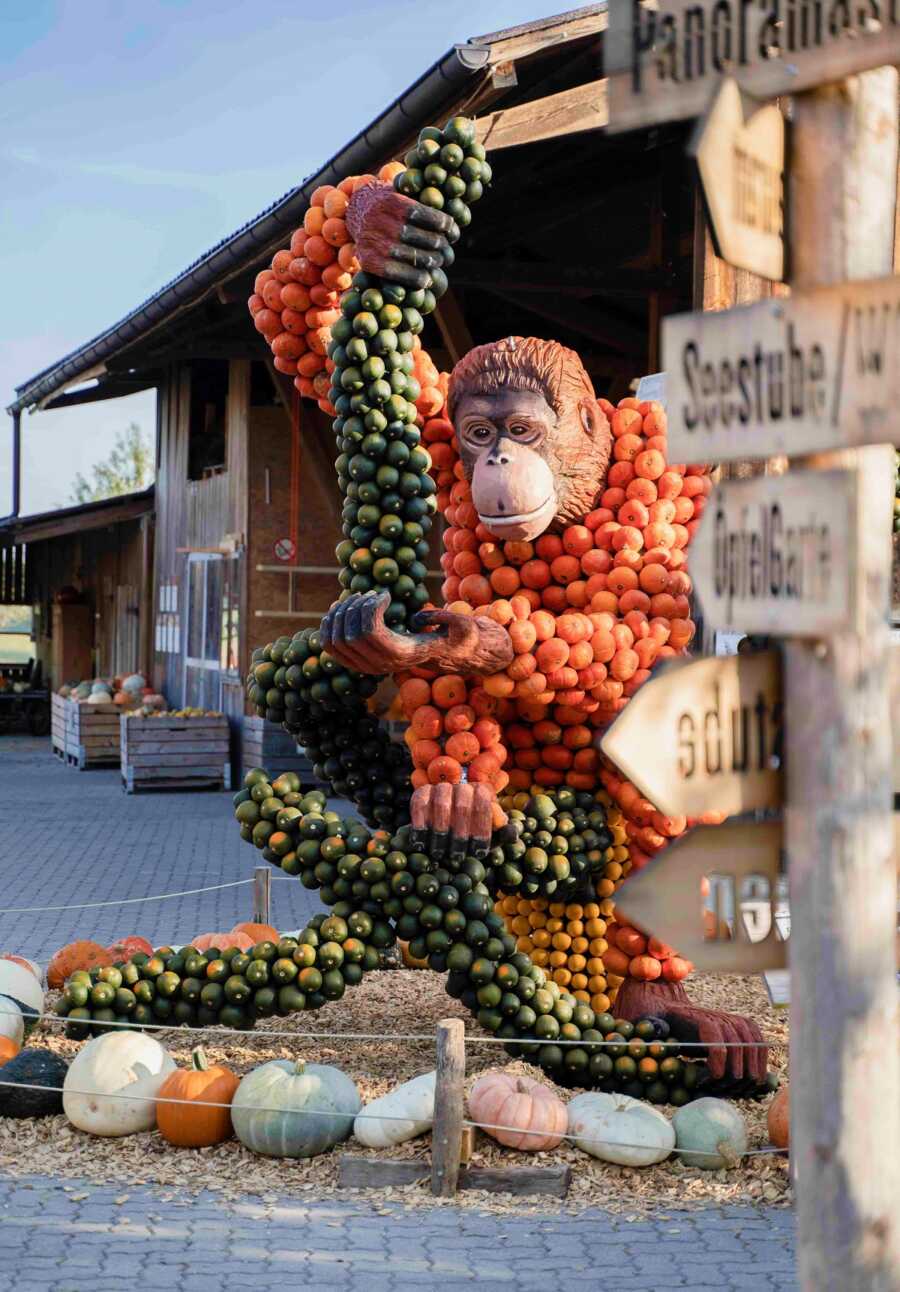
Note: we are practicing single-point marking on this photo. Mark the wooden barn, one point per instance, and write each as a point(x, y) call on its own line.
point(587, 238)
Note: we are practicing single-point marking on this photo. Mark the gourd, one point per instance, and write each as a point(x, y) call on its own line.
point(535, 1116)
point(32, 1068)
point(8, 1050)
point(617, 1128)
point(222, 940)
point(288, 1108)
point(21, 984)
point(126, 1063)
point(400, 1115)
point(190, 1124)
point(75, 955)
point(12, 1021)
point(257, 932)
point(711, 1133)
point(778, 1119)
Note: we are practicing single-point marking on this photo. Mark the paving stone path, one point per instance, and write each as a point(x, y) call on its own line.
point(68, 836)
point(86, 1238)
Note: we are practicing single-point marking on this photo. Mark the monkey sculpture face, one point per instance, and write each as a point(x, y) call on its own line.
point(534, 442)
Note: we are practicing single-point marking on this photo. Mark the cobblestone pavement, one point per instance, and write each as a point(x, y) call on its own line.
point(68, 836)
point(104, 1239)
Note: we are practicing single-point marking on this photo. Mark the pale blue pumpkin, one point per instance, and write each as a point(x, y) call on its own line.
point(710, 1133)
point(288, 1108)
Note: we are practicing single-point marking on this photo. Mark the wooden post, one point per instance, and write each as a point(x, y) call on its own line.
point(262, 895)
point(446, 1135)
point(845, 1077)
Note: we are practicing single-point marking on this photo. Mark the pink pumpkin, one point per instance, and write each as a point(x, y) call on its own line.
point(536, 1118)
point(223, 940)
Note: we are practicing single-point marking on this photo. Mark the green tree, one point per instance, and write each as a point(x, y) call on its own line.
point(128, 468)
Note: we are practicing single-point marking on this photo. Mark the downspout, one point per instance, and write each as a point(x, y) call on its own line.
point(16, 462)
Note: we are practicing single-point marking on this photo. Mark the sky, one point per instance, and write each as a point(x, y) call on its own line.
point(134, 134)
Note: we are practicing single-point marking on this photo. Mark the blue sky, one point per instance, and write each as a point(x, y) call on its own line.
point(136, 133)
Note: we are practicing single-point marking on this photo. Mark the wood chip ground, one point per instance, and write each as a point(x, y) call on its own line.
point(391, 1004)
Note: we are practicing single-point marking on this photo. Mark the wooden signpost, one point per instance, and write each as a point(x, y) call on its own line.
point(741, 863)
point(816, 371)
point(717, 738)
point(777, 550)
point(739, 149)
point(664, 58)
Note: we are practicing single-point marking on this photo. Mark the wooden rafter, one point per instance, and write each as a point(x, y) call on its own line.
point(568, 112)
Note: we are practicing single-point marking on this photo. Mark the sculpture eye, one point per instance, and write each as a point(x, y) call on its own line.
point(520, 432)
point(481, 434)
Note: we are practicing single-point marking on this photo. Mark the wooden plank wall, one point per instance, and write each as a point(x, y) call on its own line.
point(173, 413)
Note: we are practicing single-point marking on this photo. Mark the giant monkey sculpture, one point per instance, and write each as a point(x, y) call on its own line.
point(535, 446)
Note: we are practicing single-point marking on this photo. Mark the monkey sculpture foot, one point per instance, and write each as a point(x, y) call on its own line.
point(457, 819)
point(354, 631)
point(711, 1027)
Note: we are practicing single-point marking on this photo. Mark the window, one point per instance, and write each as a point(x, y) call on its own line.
point(15, 634)
point(204, 599)
point(206, 435)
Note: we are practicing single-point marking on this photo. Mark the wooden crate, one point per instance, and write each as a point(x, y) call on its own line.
point(58, 725)
point(175, 753)
point(265, 744)
point(92, 734)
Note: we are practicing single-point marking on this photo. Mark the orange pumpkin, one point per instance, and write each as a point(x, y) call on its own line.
point(644, 968)
point(77, 955)
point(190, 1124)
point(676, 968)
point(125, 948)
point(535, 1117)
point(410, 961)
point(8, 1050)
point(778, 1119)
point(258, 932)
point(222, 940)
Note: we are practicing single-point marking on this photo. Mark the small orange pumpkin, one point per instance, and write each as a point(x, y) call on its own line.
point(258, 932)
point(535, 1117)
point(190, 1124)
point(676, 968)
point(222, 940)
point(8, 1049)
point(644, 968)
point(778, 1119)
point(76, 955)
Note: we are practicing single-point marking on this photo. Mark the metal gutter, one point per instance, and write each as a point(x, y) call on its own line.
point(436, 87)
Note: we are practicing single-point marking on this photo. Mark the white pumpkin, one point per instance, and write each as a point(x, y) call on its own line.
point(12, 1024)
point(617, 1128)
point(21, 984)
point(412, 1103)
point(127, 1063)
point(712, 1133)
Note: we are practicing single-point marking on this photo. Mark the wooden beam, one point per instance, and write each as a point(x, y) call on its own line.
point(619, 336)
point(562, 280)
point(566, 113)
point(527, 43)
point(357, 1172)
point(453, 327)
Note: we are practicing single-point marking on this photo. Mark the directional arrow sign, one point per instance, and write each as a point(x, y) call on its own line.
point(704, 736)
point(776, 554)
point(741, 165)
point(742, 864)
point(815, 371)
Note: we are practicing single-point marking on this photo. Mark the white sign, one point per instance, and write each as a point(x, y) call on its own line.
point(776, 554)
point(663, 58)
point(285, 549)
point(741, 167)
point(816, 371)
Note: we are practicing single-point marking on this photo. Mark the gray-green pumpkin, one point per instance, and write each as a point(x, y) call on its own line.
point(289, 1108)
point(710, 1133)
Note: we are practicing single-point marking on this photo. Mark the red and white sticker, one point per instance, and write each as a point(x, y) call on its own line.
point(285, 549)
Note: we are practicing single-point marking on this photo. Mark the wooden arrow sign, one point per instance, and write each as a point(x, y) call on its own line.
point(741, 165)
point(742, 864)
point(704, 736)
point(776, 554)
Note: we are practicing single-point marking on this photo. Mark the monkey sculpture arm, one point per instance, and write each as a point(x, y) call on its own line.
point(398, 238)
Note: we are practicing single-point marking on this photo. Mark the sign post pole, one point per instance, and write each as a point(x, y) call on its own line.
point(845, 1075)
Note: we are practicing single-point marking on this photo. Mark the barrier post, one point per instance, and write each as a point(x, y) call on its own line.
point(446, 1136)
point(262, 895)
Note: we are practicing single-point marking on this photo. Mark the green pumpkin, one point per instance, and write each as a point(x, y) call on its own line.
point(710, 1133)
point(289, 1108)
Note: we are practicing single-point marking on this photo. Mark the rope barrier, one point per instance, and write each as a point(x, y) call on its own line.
point(315, 1112)
point(122, 901)
point(378, 1036)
